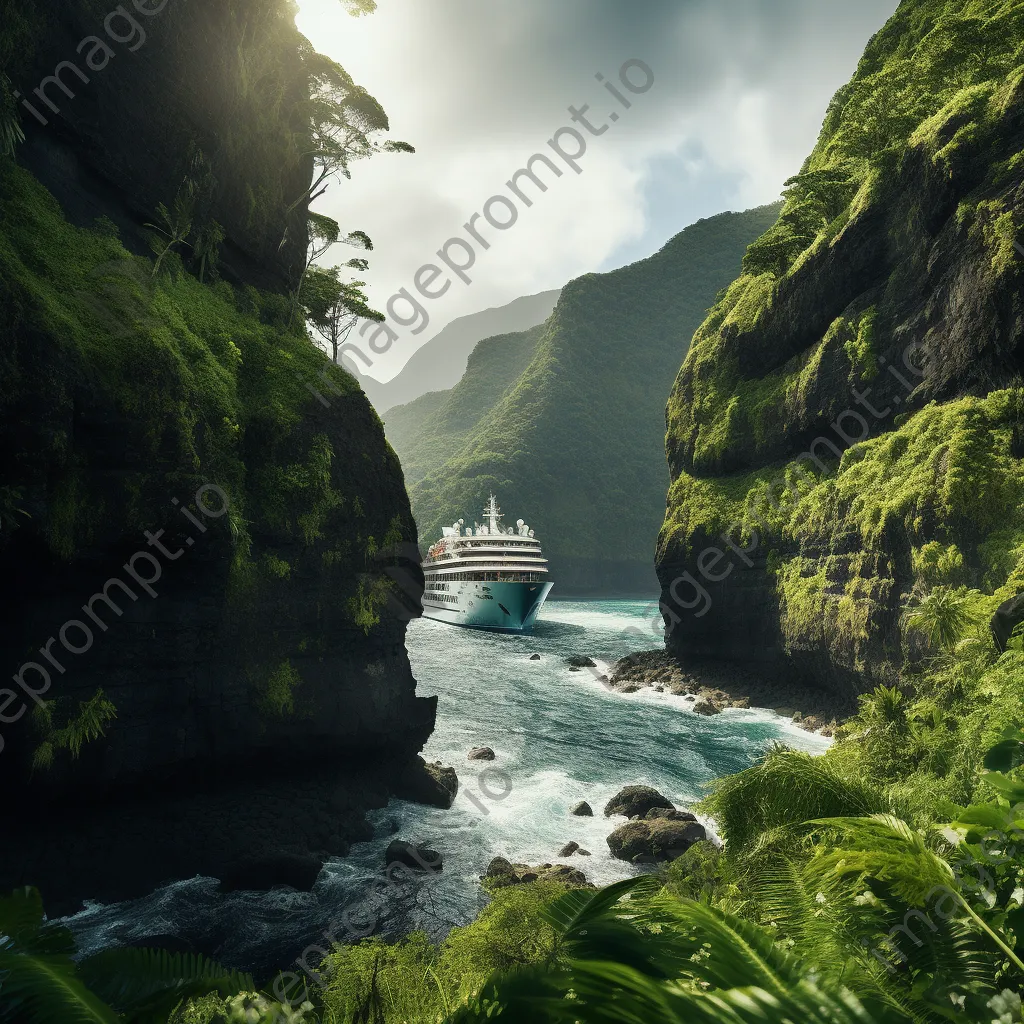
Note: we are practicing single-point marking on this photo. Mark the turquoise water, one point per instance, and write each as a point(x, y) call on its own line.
point(560, 736)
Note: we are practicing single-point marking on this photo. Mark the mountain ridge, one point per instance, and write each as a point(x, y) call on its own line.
point(438, 364)
point(574, 444)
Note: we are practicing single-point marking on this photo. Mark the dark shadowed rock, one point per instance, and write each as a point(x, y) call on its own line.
point(419, 858)
point(632, 801)
point(583, 810)
point(1007, 618)
point(501, 873)
point(583, 853)
point(669, 814)
point(432, 784)
point(271, 871)
point(568, 850)
point(481, 754)
point(578, 661)
point(645, 842)
point(534, 657)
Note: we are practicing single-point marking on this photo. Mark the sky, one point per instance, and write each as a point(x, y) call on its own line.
point(726, 98)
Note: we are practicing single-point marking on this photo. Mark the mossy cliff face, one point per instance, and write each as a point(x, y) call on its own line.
point(851, 411)
point(263, 676)
point(153, 89)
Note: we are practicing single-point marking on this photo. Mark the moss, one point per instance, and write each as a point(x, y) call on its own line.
point(948, 471)
point(937, 564)
point(276, 568)
point(277, 690)
point(861, 350)
point(365, 606)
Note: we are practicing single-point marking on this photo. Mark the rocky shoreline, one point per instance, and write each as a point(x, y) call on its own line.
point(715, 686)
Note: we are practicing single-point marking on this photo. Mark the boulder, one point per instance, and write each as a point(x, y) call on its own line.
point(583, 853)
point(568, 850)
point(670, 815)
point(705, 706)
point(577, 661)
point(419, 858)
point(480, 754)
point(501, 873)
point(274, 870)
point(660, 839)
point(534, 657)
point(1007, 618)
point(583, 810)
point(634, 801)
point(432, 784)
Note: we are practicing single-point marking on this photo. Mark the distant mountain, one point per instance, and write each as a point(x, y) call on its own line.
point(432, 429)
point(440, 362)
point(566, 423)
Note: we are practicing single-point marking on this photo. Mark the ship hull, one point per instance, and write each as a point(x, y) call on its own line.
point(498, 607)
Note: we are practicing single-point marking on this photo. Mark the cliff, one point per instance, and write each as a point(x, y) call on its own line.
point(574, 443)
point(850, 414)
point(202, 620)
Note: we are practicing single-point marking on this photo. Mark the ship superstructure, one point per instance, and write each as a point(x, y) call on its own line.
point(486, 576)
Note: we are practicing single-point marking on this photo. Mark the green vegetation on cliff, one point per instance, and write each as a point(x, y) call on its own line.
point(852, 406)
point(581, 426)
point(198, 380)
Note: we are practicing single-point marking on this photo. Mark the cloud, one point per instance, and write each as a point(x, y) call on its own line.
point(740, 90)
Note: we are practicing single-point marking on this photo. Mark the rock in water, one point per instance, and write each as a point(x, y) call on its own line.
point(534, 657)
point(480, 754)
point(660, 839)
point(705, 706)
point(636, 801)
point(583, 810)
point(432, 784)
point(501, 873)
point(419, 858)
point(578, 661)
point(568, 850)
point(670, 815)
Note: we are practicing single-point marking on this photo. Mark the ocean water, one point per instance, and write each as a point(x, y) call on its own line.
point(560, 737)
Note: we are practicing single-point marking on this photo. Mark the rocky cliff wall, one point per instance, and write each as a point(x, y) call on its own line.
point(201, 622)
point(850, 414)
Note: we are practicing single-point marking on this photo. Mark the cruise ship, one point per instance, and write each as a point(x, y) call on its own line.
point(486, 576)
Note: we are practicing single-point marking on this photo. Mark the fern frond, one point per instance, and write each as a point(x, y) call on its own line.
point(149, 983)
point(23, 928)
point(42, 989)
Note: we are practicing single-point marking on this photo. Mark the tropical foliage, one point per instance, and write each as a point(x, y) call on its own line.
point(42, 981)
